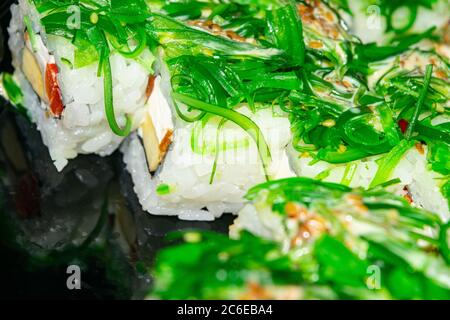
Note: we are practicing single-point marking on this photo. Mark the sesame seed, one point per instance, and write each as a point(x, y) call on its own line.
point(329, 123)
point(342, 148)
point(192, 237)
point(94, 18)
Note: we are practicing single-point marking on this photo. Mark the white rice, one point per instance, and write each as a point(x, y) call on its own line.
point(188, 174)
point(83, 127)
point(422, 183)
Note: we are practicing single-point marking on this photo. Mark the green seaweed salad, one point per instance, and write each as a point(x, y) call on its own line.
point(345, 100)
point(103, 27)
point(372, 245)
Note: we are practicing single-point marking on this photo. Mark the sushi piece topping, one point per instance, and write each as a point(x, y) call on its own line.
point(302, 239)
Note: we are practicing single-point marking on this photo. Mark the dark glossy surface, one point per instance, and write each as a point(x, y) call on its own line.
point(86, 215)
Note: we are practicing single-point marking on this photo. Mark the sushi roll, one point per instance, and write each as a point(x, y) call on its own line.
point(212, 130)
point(85, 70)
point(216, 124)
point(427, 162)
point(390, 127)
point(295, 211)
point(300, 238)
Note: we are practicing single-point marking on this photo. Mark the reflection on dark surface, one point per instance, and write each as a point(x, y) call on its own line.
point(51, 220)
point(86, 215)
point(151, 230)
